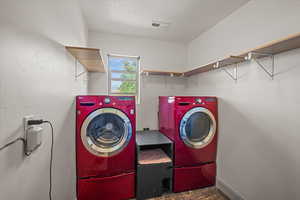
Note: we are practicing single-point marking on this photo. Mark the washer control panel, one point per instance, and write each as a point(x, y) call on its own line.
point(107, 100)
point(198, 100)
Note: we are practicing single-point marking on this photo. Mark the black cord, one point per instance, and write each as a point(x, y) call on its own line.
point(51, 159)
point(12, 142)
point(51, 151)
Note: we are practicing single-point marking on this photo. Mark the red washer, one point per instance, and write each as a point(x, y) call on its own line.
point(105, 147)
point(191, 122)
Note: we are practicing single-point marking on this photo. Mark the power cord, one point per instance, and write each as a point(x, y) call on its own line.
point(37, 122)
point(12, 142)
point(51, 159)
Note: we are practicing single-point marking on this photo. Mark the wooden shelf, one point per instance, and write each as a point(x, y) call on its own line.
point(222, 63)
point(162, 73)
point(90, 58)
point(202, 69)
point(231, 60)
point(153, 156)
point(279, 46)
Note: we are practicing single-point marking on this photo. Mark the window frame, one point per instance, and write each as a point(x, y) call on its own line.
point(137, 73)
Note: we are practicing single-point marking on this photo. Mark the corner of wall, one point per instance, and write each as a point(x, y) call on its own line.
point(228, 190)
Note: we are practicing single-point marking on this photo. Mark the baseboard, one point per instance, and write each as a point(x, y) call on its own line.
point(228, 191)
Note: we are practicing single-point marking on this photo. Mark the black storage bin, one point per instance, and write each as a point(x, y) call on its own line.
point(153, 180)
point(154, 165)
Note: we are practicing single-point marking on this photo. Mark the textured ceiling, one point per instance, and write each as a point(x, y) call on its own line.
point(187, 18)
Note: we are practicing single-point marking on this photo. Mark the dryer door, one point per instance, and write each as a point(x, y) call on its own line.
point(106, 132)
point(198, 127)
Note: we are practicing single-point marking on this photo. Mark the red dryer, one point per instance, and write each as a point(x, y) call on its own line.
point(105, 147)
point(191, 123)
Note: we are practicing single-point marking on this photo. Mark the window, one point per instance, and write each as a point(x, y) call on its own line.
point(123, 75)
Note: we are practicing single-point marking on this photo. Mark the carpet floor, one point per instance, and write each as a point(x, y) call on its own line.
point(210, 193)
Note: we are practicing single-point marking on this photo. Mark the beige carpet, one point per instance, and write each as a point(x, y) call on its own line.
point(210, 193)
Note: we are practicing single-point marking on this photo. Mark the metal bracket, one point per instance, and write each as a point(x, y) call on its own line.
point(233, 76)
point(76, 70)
point(252, 55)
point(216, 65)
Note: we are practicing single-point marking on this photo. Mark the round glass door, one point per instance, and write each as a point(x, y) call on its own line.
point(198, 127)
point(106, 132)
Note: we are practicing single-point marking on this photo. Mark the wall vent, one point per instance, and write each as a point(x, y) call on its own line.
point(160, 24)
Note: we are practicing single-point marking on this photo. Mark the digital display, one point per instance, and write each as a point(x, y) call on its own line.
point(125, 98)
point(210, 99)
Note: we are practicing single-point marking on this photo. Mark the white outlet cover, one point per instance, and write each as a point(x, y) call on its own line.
point(25, 121)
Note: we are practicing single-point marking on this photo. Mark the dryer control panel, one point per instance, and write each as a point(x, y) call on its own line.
point(187, 101)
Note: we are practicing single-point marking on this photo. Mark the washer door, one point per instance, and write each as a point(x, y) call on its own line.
point(198, 127)
point(106, 132)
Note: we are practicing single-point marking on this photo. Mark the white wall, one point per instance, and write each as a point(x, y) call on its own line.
point(258, 117)
point(37, 77)
point(156, 55)
point(259, 129)
point(250, 26)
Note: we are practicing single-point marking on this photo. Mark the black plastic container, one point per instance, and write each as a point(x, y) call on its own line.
point(154, 164)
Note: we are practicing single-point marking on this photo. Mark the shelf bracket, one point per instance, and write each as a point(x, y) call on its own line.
point(216, 65)
point(254, 56)
point(76, 70)
point(233, 76)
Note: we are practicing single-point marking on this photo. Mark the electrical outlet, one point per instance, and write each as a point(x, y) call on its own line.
point(33, 135)
point(34, 138)
point(25, 121)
